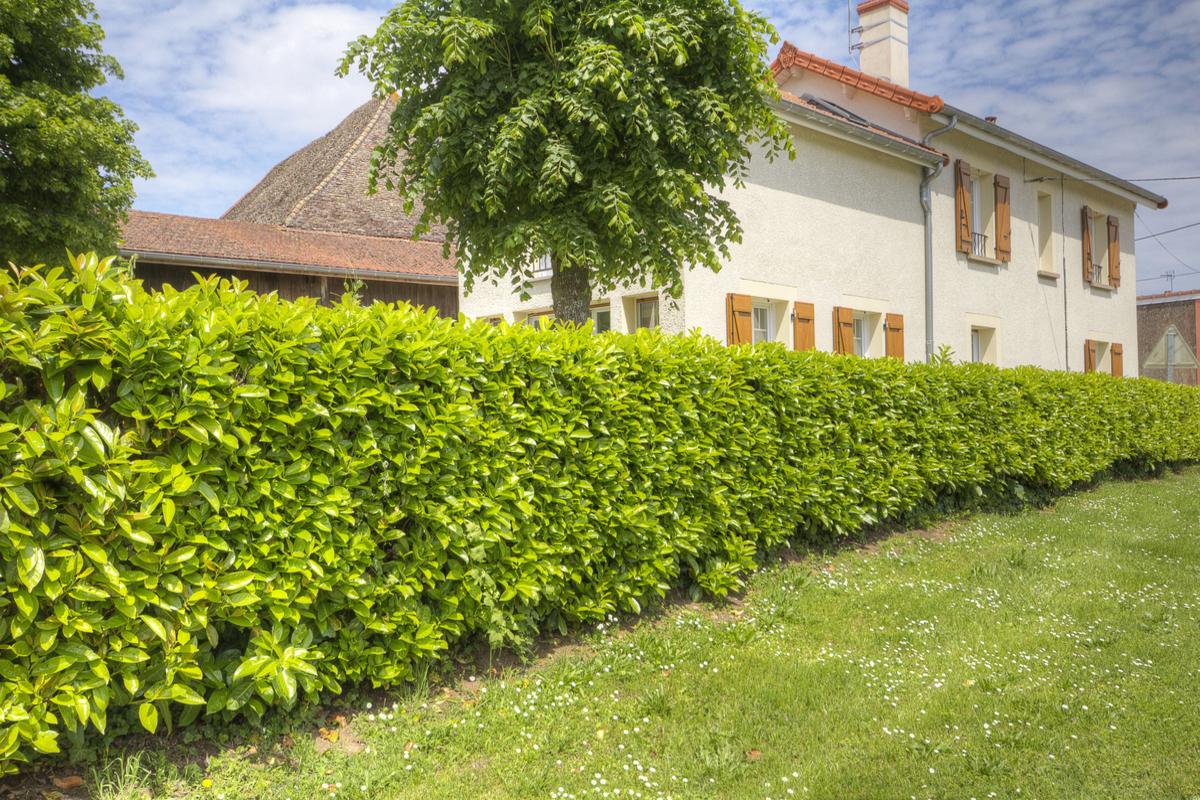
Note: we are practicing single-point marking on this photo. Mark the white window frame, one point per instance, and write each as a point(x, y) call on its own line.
point(638, 304)
point(761, 309)
point(976, 346)
point(862, 336)
point(596, 312)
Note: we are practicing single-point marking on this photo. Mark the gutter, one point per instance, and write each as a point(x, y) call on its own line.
point(1056, 159)
point(848, 130)
point(931, 174)
point(257, 265)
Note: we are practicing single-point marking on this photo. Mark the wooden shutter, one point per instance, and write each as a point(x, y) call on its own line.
point(739, 318)
point(1117, 353)
point(1003, 219)
point(843, 330)
point(804, 331)
point(1114, 251)
point(1089, 355)
point(1086, 235)
point(962, 204)
point(895, 336)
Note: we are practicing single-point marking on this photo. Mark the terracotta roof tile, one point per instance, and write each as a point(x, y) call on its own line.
point(791, 57)
point(1183, 294)
point(147, 233)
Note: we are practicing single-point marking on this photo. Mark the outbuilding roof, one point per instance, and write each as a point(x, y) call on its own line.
point(182, 240)
point(792, 57)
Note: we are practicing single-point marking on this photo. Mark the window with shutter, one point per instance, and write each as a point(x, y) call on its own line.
point(1114, 251)
point(962, 203)
point(894, 341)
point(1003, 219)
point(1086, 237)
point(1117, 356)
point(804, 332)
point(1089, 355)
point(843, 330)
point(739, 312)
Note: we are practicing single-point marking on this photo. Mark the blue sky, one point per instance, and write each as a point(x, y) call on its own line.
point(225, 89)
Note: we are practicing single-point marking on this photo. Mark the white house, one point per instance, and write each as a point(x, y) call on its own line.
point(903, 225)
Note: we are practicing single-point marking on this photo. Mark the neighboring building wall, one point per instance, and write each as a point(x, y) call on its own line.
point(1154, 320)
point(292, 286)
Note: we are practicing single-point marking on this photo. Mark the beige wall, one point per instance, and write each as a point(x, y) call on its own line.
point(842, 225)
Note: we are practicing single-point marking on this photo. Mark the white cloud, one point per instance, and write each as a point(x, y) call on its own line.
point(226, 88)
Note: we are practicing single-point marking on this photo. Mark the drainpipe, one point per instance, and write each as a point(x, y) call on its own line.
point(931, 174)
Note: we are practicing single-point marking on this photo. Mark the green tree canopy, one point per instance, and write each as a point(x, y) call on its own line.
point(599, 134)
point(67, 159)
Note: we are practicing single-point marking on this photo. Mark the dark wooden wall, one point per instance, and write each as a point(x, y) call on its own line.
point(291, 286)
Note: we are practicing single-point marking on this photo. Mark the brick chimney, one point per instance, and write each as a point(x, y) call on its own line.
point(883, 36)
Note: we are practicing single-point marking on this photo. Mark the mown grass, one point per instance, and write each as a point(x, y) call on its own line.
point(1050, 654)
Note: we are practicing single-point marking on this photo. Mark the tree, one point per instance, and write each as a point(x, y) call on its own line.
point(67, 159)
point(599, 133)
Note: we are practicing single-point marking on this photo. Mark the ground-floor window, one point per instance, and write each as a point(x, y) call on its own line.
point(602, 319)
point(647, 312)
point(983, 345)
point(761, 321)
point(862, 339)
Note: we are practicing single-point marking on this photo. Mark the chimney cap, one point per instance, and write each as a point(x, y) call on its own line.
point(871, 5)
point(991, 119)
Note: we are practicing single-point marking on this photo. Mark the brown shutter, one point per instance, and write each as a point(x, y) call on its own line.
point(1114, 251)
point(1003, 220)
point(804, 332)
point(739, 318)
point(895, 336)
point(962, 203)
point(1117, 353)
point(1086, 235)
point(843, 330)
point(1089, 355)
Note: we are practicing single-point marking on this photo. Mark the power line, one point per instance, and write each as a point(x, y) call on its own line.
point(1155, 236)
point(1164, 233)
point(1160, 180)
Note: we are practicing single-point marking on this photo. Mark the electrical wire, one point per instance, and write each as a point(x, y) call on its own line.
point(1167, 250)
point(1164, 233)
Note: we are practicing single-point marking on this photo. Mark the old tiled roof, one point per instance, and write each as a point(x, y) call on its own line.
point(1185, 294)
point(323, 186)
point(788, 97)
point(217, 242)
point(791, 57)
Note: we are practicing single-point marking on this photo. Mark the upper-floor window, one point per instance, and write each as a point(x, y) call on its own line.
point(1045, 232)
point(983, 209)
point(543, 267)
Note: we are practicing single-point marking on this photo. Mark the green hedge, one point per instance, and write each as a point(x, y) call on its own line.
point(213, 502)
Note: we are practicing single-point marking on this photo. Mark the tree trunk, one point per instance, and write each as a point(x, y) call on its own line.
point(571, 290)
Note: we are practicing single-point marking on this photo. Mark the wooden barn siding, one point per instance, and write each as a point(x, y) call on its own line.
point(291, 286)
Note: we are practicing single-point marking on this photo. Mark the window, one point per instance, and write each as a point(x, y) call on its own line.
point(1100, 249)
point(534, 320)
point(761, 322)
point(647, 312)
point(862, 339)
point(543, 268)
point(983, 345)
point(1046, 232)
point(983, 213)
point(602, 319)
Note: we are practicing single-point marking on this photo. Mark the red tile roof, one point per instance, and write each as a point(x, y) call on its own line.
point(1184, 294)
point(294, 250)
point(871, 5)
point(791, 57)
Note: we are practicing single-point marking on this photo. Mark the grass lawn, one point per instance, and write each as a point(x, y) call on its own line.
point(1051, 654)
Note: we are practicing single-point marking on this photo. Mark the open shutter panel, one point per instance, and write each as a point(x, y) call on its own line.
point(895, 336)
point(804, 332)
point(1114, 251)
point(1089, 356)
point(1086, 236)
point(738, 318)
point(1118, 360)
point(1003, 220)
point(962, 204)
point(843, 330)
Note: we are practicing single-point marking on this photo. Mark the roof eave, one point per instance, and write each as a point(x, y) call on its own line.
point(291, 268)
point(845, 129)
point(1049, 156)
